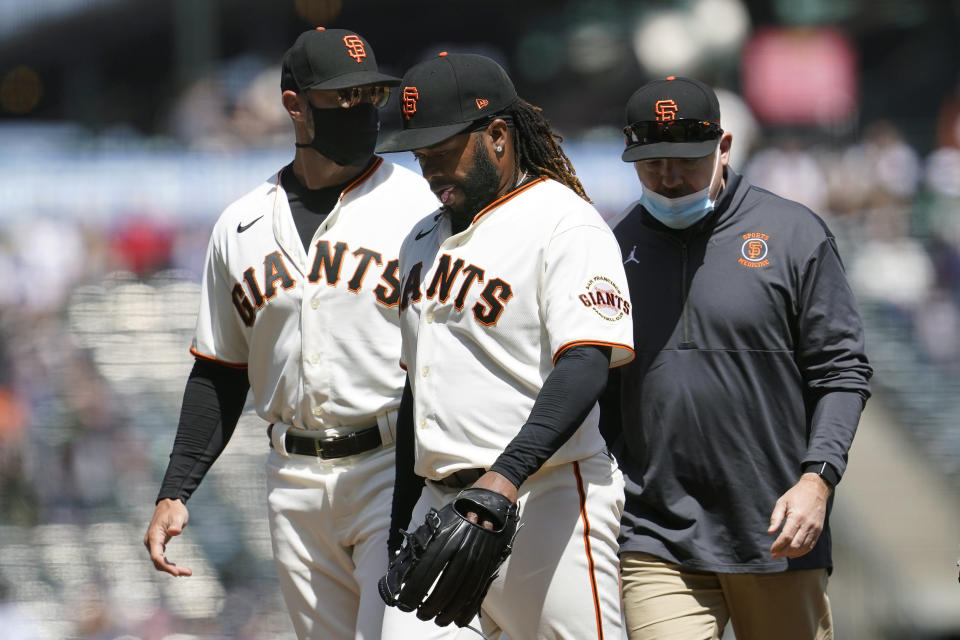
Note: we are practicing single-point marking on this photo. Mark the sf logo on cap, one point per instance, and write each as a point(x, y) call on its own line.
point(409, 99)
point(665, 110)
point(355, 47)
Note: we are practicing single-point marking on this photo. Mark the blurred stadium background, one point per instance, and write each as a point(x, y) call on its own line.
point(125, 128)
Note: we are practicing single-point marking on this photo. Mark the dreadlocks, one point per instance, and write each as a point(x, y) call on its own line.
point(538, 148)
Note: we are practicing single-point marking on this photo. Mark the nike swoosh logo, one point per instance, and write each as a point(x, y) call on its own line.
point(243, 227)
point(423, 234)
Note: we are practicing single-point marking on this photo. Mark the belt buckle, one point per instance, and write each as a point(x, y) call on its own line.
point(318, 447)
point(336, 447)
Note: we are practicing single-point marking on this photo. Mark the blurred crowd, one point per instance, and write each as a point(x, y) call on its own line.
point(896, 214)
point(96, 320)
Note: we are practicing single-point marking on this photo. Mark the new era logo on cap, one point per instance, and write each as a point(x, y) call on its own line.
point(445, 95)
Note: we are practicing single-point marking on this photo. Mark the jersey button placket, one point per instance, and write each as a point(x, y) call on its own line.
point(313, 344)
point(425, 339)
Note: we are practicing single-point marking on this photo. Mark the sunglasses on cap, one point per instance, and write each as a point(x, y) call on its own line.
point(684, 130)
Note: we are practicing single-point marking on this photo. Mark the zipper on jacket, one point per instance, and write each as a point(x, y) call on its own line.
point(685, 342)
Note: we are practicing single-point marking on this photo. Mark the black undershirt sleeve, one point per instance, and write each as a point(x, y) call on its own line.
point(407, 486)
point(212, 403)
point(566, 398)
point(611, 426)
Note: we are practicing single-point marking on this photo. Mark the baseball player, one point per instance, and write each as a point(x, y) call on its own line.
point(513, 308)
point(299, 305)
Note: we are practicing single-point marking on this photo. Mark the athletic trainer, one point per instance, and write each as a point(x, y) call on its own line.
point(739, 411)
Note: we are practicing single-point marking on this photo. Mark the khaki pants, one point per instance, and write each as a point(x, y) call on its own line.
point(663, 601)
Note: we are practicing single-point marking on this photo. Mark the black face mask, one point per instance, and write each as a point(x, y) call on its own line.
point(346, 136)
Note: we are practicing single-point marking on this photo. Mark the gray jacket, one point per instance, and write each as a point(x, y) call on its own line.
point(750, 362)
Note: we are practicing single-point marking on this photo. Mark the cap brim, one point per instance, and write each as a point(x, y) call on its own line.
point(669, 150)
point(419, 138)
point(357, 79)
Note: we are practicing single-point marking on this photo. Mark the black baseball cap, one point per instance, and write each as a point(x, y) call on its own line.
point(331, 59)
point(446, 95)
point(672, 118)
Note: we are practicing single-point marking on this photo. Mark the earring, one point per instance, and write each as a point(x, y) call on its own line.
point(499, 149)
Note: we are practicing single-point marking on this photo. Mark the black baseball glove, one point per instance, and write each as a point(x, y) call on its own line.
point(457, 558)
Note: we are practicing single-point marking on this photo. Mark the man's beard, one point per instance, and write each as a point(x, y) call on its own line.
point(480, 188)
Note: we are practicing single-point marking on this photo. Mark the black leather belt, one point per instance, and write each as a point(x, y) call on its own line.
point(461, 479)
point(350, 444)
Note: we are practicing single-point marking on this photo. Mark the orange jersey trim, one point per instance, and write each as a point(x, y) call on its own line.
point(369, 171)
point(587, 550)
point(598, 343)
point(232, 365)
point(506, 197)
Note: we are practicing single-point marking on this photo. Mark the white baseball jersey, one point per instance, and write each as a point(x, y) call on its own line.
point(317, 330)
point(486, 312)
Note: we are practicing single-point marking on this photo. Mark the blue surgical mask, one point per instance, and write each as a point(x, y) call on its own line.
point(684, 211)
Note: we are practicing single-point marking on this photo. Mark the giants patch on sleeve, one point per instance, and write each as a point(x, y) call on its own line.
point(604, 298)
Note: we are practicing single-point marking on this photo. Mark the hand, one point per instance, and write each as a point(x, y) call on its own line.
point(801, 511)
point(494, 481)
point(448, 563)
point(169, 519)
